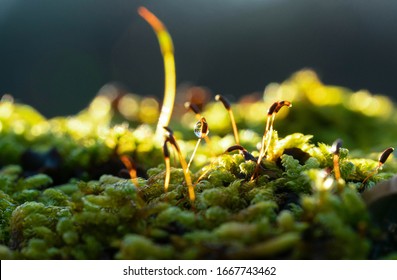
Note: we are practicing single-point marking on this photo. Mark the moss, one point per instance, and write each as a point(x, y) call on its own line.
point(139, 247)
point(65, 193)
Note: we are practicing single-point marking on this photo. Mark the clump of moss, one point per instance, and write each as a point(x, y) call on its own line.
point(65, 193)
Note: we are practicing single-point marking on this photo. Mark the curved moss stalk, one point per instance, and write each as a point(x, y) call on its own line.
point(167, 51)
point(129, 164)
point(335, 151)
point(242, 150)
point(171, 139)
point(382, 159)
point(228, 107)
point(267, 136)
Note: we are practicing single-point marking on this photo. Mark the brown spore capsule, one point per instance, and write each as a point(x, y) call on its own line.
point(224, 101)
point(193, 107)
point(282, 104)
point(385, 155)
point(243, 151)
point(272, 108)
point(336, 146)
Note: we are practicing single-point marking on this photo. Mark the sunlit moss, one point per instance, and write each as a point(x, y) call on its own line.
point(99, 107)
point(66, 205)
point(149, 111)
point(129, 106)
point(370, 105)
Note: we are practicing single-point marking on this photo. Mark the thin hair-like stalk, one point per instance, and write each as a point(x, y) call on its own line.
point(267, 135)
point(201, 131)
point(335, 151)
point(382, 159)
point(167, 51)
point(196, 110)
point(166, 154)
point(129, 164)
point(226, 104)
point(171, 139)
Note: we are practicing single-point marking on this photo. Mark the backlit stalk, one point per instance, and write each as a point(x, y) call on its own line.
point(167, 51)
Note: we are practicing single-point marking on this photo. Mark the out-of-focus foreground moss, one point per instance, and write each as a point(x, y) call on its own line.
point(63, 194)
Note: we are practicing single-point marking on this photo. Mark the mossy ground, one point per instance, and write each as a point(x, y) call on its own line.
point(65, 193)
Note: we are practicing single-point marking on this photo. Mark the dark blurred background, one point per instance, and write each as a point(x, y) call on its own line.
point(56, 55)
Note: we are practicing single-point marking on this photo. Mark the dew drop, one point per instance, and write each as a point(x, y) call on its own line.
point(201, 128)
point(197, 129)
